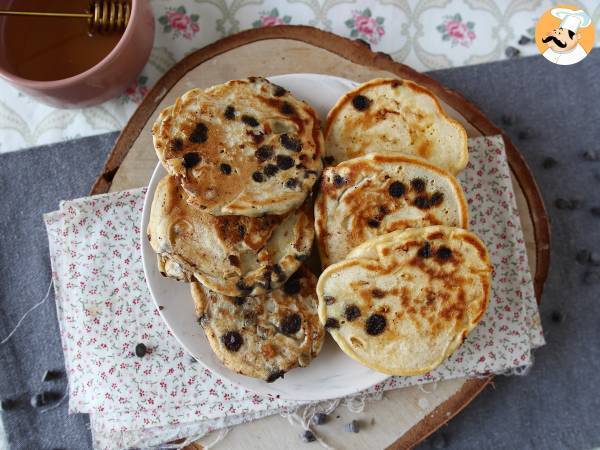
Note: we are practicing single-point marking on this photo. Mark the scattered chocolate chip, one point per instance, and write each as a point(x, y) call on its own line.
point(271, 169)
point(243, 287)
point(583, 256)
point(556, 317)
point(284, 162)
point(291, 143)
point(291, 324)
point(161, 307)
point(229, 113)
point(292, 286)
point(549, 163)
point(258, 177)
point(595, 211)
point(8, 403)
point(397, 189)
point(436, 198)
point(291, 183)
point(176, 144)
point(232, 340)
point(264, 152)
point(592, 277)
point(375, 324)
point(360, 102)
point(418, 184)
point(250, 121)
point(140, 350)
point(508, 119)
point(591, 155)
point(328, 160)
point(351, 312)
point(225, 168)
point(331, 323)
point(200, 134)
point(444, 253)
point(319, 418)
point(239, 301)
point(352, 427)
point(425, 251)
point(50, 375)
point(307, 436)
point(421, 202)
point(373, 223)
point(287, 109)
point(278, 91)
point(191, 159)
point(329, 300)
point(512, 52)
point(202, 320)
point(278, 272)
point(275, 375)
point(234, 260)
point(524, 40)
point(338, 180)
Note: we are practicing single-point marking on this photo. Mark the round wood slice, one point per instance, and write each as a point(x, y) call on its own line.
point(406, 416)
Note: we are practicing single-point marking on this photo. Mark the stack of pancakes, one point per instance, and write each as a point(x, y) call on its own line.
point(404, 282)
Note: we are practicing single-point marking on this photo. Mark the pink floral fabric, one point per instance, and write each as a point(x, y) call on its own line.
point(179, 23)
point(362, 25)
point(456, 31)
point(105, 309)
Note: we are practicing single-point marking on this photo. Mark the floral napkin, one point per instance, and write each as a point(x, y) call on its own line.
point(105, 309)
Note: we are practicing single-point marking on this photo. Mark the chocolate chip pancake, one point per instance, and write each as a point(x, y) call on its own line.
point(403, 302)
point(246, 147)
point(233, 255)
point(374, 194)
point(395, 116)
point(267, 336)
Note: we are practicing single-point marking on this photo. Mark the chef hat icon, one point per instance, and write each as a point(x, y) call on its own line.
point(572, 20)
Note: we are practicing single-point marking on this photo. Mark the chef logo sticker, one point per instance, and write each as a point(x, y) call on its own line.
point(564, 35)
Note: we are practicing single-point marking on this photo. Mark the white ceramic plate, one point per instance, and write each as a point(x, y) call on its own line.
point(332, 374)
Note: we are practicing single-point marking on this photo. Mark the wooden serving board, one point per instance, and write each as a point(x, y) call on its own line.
point(405, 416)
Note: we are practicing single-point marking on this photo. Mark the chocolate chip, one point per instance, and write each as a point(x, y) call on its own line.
point(425, 251)
point(331, 323)
point(291, 143)
point(508, 119)
point(319, 418)
point(329, 300)
point(360, 102)
point(239, 301)
point(512, 52)
point(243, 287)
point(583, 256)
point(373, 223)
point(549, 163)
point(225, 168)
point(307, 436)
point(556, 317)
point(140, 350)
point(250, 121)
point(258, 177)
point(264, 152)
point(338, 180)
point(591, 155)
point(50, 375)
point(202, 320)
point(421, 202)
point(275, 375)
point(176, 144)
point(8, 403)
point(418, 184)
point(161, 307)
point(375, 324)
point(229, 113)
point(287, 109)
point(191, 159)
point(278, 91)
point(436, 198)
point(595, 211)
point(292, 286)
point(397, 189)
point(352, 427)
point(232, 340)
point(524, 40)
point(284, 162)
point(291, 324)
point(234, 260)
point(271, 169)
point(444, 253)
point(291, 183)
point(351, 312)
point(200, 134)
point(328, 160)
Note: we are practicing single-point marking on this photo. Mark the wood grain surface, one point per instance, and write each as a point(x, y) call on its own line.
point(405, 416)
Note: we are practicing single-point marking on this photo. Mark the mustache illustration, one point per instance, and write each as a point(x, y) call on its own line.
point(556, 41)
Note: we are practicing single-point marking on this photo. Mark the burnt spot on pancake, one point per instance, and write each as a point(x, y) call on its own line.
point(258, 177)
point(250, 121)
point(239, 301)
point(328, 160)
point(176, 144)
point(284, 162)
point(234, 260)
point(377, 293)
point(264, 152)
point(278, 272)
point(338, 180)
point(422, 202)
point(436, 198)
point(292, 286)
point(287, 109)
point(278, 91)
point(271, 169)
point(291, 183)
point(243, 288)
point(290, 142)
point(360, 102)
point(418, 184)
point(291, 324)
point(373, 223)
point(329, 300)
point(375, 324)
point(225, 168)
point(229, 113)
point(443, 253)
point(331, 323)
point(200, 134)
point(425, 250)
point(351, 312)
point(191, 159)
point(397, 189)
point(232, 340)
point(275, 376)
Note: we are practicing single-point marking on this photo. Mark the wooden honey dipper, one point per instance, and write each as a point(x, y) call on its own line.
point(104, 16)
